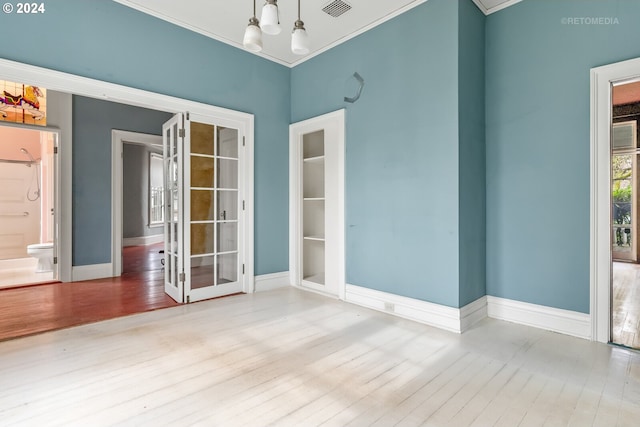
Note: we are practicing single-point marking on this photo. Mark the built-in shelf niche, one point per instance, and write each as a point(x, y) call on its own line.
point(313, 261)
point(317, 203)
point(313, 207)
point(313, 219)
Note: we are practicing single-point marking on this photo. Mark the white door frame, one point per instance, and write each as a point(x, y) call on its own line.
point(118, 138)
point(602, 79)
point(69, 83)
point(334, 178)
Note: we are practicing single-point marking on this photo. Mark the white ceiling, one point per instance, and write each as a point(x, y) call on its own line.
point(226, 20)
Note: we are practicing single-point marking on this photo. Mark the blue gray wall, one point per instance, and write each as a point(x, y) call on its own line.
point(537, 130)
point(107, 41)
point(403, 184)
point(93, 121)
point(414, 140)
point(472, 188)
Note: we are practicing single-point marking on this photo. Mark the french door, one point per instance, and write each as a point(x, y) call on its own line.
point(204, 208)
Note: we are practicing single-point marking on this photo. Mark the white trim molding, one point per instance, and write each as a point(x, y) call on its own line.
point(602, 79)
point(118, 138)
point(267, 282)
point(472, 313)
point(489, 10)
point(91, 272)
point(539, 316)
point(448, 318)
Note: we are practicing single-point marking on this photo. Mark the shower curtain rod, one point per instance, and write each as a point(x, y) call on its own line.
point(22, 162)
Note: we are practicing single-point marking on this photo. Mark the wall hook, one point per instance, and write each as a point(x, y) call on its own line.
point(361, 81)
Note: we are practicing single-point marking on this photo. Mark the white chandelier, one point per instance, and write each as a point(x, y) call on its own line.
point(270, 24)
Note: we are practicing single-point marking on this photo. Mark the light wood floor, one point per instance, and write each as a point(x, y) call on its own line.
point(291, 358)
point(625, 305)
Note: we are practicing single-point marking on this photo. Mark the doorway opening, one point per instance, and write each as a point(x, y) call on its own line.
point(27, 206)
point(606, 227)
point(95, 265)
point(625, 201)
point(137, 202)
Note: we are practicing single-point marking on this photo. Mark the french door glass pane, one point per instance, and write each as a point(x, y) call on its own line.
point(227, 173)
point(173, 259)
point(202, 138)
point(227, 205)
point(202, 172)
point(227, 142)
point(202, 271)
point(202, 238)
point(227, 236)
point(202, 205)
point(227, 268)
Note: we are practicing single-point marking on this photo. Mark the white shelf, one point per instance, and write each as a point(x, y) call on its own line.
point(315, 238)
point(316, 159)
point(318, 279)
point(314, 199)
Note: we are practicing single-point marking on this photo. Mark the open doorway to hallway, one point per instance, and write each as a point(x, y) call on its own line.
point(625, 205)
point(142, 194)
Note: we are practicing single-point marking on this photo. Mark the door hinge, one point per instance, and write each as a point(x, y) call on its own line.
point(243, 205)
point(243, 141)
point(188, 115)
point(242, 268)
point(55, 150)
point(181, 277)
point(55, 259)
point(181, 133)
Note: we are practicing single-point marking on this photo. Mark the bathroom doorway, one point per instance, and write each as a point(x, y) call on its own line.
point(27, 206)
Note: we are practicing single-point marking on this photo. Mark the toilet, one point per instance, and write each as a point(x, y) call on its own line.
point(43, 252)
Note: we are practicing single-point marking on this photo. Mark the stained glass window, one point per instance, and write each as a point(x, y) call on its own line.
point(22, 103)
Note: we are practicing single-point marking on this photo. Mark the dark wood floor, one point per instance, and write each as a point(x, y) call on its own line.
point(34, 309)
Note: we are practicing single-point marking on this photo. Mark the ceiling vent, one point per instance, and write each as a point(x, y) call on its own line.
point(336, 8)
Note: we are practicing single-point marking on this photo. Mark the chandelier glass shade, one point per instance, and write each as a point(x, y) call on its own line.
point(270, 19)
point(252, 39)
point(269, 23)
point(299, 39)
point(253, 36)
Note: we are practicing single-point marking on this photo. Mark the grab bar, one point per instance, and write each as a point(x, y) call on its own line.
point(14, 213)
point(19, 162)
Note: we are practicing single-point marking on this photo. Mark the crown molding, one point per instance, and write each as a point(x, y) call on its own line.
point(494, 9)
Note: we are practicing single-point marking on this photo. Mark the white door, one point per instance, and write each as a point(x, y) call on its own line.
point(173, 153)
point(204, 225)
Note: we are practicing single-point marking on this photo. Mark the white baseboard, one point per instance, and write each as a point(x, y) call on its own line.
point(440, 316)
point(142, 240)
point(472, 313)
point(267, 282)
point(90, 272)
point(539, 316)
